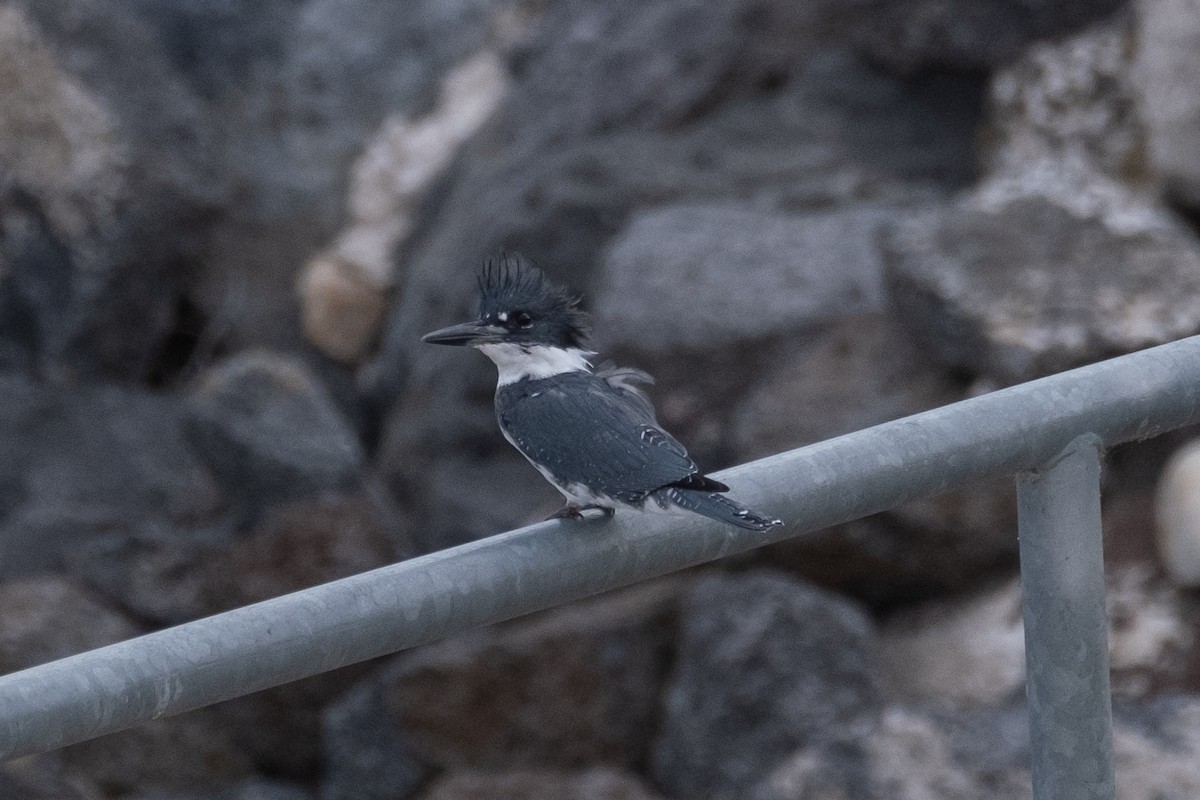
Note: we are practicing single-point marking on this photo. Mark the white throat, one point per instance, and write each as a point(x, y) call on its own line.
point(518, 361)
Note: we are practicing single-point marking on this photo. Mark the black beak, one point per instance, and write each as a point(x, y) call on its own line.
point(468, 333)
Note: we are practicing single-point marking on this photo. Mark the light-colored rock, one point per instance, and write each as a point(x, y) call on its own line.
point(912, 753)
point(1157, 750)
point(55, 137)
point(966, 651)
point(1177, 513)
point(344, 288)
point(1070, 98)
point(970, 650)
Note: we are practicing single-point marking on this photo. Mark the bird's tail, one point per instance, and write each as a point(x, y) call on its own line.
point(718, 507)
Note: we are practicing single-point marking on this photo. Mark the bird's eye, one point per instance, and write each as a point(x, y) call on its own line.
point(522, 319)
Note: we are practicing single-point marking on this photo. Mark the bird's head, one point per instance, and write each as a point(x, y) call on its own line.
point(518, 305)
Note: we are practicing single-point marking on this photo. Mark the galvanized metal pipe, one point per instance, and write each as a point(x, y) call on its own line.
point(1066, 631)
point(417, 601)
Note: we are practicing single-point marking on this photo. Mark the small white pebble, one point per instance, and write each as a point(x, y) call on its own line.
point(1177, 509)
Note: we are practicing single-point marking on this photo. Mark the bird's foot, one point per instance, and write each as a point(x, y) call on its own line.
point(569, 511)
point(572, 511)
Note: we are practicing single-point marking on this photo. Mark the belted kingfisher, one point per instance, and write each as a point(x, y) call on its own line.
point(591, 432)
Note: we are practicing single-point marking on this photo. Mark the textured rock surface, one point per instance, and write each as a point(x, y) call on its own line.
point(39, 779)
point(365, 755)
point(1031, 288)
point(78, 464)
point(970, 650)
point(593, 784)
point(706, 276)
point(1166, 71)
point(170, 575)
point(1069, 99)
point(913, 754)
point(105, 162)
point(194, 752)
point(47, 618)
point(766, 665)
point(271, 432)
point(857, 372)
point(569, 687)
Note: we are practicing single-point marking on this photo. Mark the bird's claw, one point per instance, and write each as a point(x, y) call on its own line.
point(568, 511)
point(572, 511)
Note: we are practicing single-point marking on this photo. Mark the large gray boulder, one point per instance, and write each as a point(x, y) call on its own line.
point(767, 665)
point(1027, 286)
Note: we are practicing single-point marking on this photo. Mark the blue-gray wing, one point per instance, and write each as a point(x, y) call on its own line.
point(585, 429)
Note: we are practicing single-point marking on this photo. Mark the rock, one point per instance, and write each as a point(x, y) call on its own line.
point(568, 688)
point(963, 651)
point(106, 179)
point(1157, 749)
point(920, 550)
point(915, 35)
point(171, 575)
point(307, 543)
point(1072, 98)
point(1177, 511)
point(700, 277)
point(41, 778)
point(858, 371)
point(280, 728)
point(571, 687)
point(366, 756)
point(194, 752)
point(344, 288)
point(82, 463)
point(299, 89)
point(256, 789)
point(1030, 286)
point(1165, 71)
point(271, 432)
point(598, 783)
point(47, 618)
point(161, 574)
point(767, 665)
point(914, 753)
point(970, 650)
point(1152, 645)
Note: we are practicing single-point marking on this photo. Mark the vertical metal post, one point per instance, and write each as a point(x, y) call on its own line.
point(1066, 633)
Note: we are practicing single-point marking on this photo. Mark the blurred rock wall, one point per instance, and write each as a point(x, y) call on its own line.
point(224, 226)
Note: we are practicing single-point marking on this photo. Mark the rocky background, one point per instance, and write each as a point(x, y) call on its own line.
point(223, 227)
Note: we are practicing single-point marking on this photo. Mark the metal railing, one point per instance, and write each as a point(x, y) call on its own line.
point(1049, 432)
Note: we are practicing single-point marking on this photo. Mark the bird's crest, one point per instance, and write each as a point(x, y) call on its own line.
point(510, 283)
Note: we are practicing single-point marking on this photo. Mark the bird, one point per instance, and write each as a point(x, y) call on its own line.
point(590, 431)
